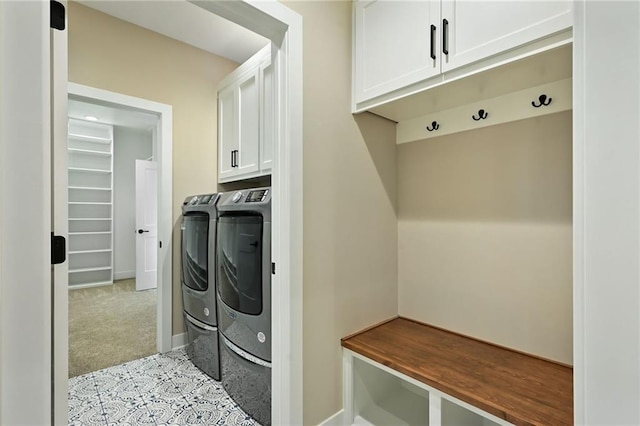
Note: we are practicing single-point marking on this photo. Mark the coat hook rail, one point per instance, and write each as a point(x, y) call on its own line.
point(543, 101)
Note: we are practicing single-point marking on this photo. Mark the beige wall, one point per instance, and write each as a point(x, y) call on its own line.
point(350, 225)
point(485, 234)
point(114, 55)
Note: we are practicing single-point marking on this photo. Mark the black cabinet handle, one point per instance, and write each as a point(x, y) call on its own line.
point(234, 158)
point(140, 231)
point(445, 36)
point(433, 42)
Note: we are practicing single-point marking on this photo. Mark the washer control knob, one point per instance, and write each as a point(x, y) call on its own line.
point(261, 337)
point(237, 196)
point(206, 312)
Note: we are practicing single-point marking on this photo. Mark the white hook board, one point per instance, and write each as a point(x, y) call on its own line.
point(502, 109)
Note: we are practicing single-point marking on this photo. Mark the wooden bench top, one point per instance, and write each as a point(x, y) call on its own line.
point(519, 388)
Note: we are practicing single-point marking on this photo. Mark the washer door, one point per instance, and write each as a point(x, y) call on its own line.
point(239, 275)
point(195, 251)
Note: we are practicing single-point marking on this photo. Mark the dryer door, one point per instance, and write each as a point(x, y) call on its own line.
point(195, 250)
point(239, 275)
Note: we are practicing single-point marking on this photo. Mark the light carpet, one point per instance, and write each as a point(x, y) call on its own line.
point(110, 325)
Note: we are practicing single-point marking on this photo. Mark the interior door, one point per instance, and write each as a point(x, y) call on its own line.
point(60, 222)
point(146, 224)
point(28, 359)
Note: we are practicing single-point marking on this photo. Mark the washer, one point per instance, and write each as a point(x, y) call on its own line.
point(198, 277)
point(244, 298)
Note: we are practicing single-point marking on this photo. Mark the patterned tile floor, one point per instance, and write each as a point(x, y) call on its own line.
point(163, 389)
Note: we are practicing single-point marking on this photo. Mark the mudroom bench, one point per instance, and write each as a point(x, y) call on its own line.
point(405, 372)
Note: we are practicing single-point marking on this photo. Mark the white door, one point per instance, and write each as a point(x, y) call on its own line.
point(478, 30)
point(146, 224)
point(396, 44)
point(60, 221)
point(26, 362)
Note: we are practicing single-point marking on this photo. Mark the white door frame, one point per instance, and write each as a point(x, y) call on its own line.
point(25, 274)
point(163, 151)
point(283, 27)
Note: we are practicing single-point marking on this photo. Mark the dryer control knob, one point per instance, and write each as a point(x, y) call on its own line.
point(237, 196)
point(261, 337)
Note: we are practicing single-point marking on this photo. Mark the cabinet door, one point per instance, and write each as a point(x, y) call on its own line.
point(480, 29)
point(267, 116)
point(393, 45)
point(227, 135)
point(248, 109)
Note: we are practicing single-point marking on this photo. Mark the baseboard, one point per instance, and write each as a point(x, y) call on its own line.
point(335, 420)
point(179, 341)
point(88, 285)
point(123, 275)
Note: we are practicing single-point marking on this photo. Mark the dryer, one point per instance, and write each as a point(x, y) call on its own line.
point(244, 298)
point(198, 277)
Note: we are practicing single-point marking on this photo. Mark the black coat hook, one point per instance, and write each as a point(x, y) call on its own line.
point(434, 126)
point(543, 101)
point(482, 114)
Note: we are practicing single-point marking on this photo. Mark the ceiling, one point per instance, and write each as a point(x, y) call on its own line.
point(186, 22)
point(117, 116)
point(177, 19)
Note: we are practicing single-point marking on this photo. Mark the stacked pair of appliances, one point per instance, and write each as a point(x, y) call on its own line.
point(226, 286)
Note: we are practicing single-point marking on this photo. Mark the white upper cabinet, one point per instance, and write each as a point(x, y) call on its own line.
point(248, 127)
point(267, 115)
point(246, 120)
point(397, 44)
point(403, 47)
point(474, 30)
point(227, 141)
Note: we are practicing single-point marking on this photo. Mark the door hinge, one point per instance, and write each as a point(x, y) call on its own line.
point(58, 249)
point(273, 268)
point(58, 18)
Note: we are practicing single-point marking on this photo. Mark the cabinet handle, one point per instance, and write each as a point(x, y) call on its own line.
point(433, 42)
point(445, 38)
point(234, 158)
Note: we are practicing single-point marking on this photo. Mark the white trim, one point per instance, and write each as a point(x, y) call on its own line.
point(164, 137)
point(25, 168)
point(606, 212)
point(88, 285)
point(579, 391)
point(124, 275)
point(283, 27)
point(335, 420)
point(179, 341)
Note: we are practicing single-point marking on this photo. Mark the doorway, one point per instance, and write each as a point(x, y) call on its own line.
point(27, 71)
point(112, 282)
point(156, 118)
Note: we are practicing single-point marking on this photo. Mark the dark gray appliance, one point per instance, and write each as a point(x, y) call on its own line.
point(244, 298)
point(198, 276)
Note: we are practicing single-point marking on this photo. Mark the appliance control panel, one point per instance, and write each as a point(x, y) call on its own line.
point(257, 196)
